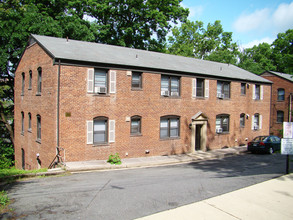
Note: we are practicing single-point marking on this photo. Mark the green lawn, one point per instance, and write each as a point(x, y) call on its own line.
point(10, 173)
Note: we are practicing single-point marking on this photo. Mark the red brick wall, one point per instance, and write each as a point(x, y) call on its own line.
point(44, 105)
point(146, 103)
point(149, 104)
point(279, 105)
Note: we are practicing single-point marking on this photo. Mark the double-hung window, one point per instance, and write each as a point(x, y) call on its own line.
point(100, 130)
point(199, 87)
point(170, 86)
point(169, 127)
point(257, 92)
point(223, 90)
point(100, 81)
point(29, 121)
point(256, 121)
point(280, 116)
point(281, 94)
point(135, 125)
point(22, 83)
point(222, 123)
point(30, 80)
point(243, 88)
point(39, 128)
point(242, 120)
point(136, 80)
point(39, 91)
point(22, 123)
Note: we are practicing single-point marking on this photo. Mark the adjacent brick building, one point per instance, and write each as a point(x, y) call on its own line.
point(91, 100)
point(281, 104)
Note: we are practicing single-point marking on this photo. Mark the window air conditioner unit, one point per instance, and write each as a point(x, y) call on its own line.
point(102, 90)
point(220, 95)
point(165, 93)
point(219, 130)
point(256, 127)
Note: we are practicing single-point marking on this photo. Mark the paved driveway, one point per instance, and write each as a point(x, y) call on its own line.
point(134, 193)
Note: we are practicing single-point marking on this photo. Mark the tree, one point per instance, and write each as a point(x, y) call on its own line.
point(141, 24)
point(283, 52)
point(193, 40)
point(257, 59)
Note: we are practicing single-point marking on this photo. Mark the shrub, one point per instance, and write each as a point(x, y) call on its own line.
point(4, 200)
point(114, 159)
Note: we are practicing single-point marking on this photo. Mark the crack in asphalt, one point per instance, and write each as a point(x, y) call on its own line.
point(97, 193)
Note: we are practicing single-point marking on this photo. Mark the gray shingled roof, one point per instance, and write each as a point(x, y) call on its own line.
point(283, 75)
point(60, 48)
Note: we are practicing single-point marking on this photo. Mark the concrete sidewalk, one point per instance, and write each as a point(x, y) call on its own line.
point(154, 160)
point(272, 199)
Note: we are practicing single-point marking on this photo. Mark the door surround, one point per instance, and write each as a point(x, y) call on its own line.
point(199, 119)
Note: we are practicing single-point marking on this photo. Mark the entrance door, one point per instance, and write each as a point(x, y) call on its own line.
point(198, 137)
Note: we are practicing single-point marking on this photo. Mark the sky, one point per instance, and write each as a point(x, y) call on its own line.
point(251, 21)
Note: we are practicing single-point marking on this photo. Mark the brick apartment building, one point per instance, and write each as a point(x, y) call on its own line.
point(282, 97)
point(91, 100)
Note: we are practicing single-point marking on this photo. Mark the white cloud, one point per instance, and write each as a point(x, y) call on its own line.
point(283, 17)
point(195, 12)
point(257, 42)
point(266, 19)
point(253, 21)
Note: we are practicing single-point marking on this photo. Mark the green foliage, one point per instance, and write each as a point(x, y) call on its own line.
point(257, 59)
point(114, 159)
point(283, 52)
point(141, 24)
point(4, 200)
point(191, 39)
point(13, 172)
point(275, 57)
point(6, 154)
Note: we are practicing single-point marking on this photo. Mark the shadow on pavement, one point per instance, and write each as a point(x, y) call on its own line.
point(244, 165)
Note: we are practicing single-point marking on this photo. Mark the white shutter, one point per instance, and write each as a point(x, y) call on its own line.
point(90, 133)
point(261, 92)
point(252, 122)
point(90, 80)
point(260, 121)
point(111, 131)
point(112, 81)
point(253, 91)
point(194, 88)
point(207, 88)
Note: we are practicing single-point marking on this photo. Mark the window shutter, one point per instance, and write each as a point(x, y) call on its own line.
point(261, 92)
point(112, 81)
point(252, 122)
point(260, 121)
point(90, 80)
point(111, 131)
point(207, 88)
point(193, 87)
point(90, 133)
point(253, 91)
